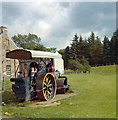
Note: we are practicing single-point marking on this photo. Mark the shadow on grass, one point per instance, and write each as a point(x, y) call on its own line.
point(8, 97)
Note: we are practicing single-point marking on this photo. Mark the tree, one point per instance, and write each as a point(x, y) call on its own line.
point(82, 49)
point(86, 66)
point(86, 50)
point(67, 56)
point(99, 46)
point(62, 52)
point(40, 47)
point(114, 47)
point(74, 47)
point(75, 65)
point(106, 50)
point(30, 41)
point(76, 51)
point(95, 50)
point(51, 49)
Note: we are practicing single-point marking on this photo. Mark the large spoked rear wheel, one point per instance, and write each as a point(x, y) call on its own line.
point(46, 86)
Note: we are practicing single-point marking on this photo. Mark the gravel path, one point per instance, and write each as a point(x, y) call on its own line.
point(53, 102)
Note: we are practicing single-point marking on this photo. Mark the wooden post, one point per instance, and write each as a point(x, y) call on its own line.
point(14, 67)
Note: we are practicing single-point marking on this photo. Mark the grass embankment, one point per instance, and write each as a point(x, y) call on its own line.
point(96, 98)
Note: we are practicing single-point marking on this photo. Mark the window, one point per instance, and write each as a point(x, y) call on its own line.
point(8, 70)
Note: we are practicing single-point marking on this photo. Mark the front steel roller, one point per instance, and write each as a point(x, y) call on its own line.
point(46, 86)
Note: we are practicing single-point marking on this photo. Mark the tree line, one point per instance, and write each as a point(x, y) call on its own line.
point(81, 54)
point(91, 51)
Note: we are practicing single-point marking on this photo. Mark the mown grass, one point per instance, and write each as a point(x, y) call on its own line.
point(96, 98)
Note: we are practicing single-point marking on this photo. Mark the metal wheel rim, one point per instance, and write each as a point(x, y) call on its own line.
point(49, 87)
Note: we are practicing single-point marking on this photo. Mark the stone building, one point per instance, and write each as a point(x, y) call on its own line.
point(6, 65)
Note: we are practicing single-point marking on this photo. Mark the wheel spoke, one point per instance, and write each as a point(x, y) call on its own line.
point(47, 95)
point(50, 84)
point(50, 88)
point(48, 92)
point(49, 81)
point(44, 83)
point(44, 88)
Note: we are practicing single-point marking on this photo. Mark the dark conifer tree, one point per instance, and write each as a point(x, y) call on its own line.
point(114, 47)
point(91, 48)
point(106, 50)
point(67, 57)
point(74, 47)
point(95, 50)
point(86, 50)
point(99, 46)
point(80, 49)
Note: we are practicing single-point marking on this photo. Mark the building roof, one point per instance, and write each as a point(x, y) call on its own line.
point(3, 27)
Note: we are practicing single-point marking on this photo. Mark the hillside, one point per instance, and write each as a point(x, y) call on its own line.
point(111, 69)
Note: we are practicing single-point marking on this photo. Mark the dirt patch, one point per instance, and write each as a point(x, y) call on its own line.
point(44, 105)
point(53, 102)
point(63, 96)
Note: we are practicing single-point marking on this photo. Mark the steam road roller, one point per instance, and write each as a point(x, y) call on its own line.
point(37, 75)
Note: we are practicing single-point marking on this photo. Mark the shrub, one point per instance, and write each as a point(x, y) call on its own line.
point(73, 65)
point(77, 66)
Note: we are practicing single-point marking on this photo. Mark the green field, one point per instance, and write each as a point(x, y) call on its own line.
point(96, 98)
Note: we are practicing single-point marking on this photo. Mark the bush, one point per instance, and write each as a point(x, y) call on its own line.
point(68, 71)
point(73, 65)
point(77, 66)
point(86, 66)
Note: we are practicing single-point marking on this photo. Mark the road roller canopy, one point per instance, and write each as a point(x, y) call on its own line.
point(24, 54)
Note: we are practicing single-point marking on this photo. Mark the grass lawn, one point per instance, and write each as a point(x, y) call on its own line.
point(96, 98)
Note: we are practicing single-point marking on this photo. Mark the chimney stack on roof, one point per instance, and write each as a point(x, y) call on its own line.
point(3, 29)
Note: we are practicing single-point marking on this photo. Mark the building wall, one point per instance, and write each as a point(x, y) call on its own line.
point(0, 62)
point(7, 45)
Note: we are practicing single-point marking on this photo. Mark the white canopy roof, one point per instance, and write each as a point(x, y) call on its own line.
point(43, 54)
